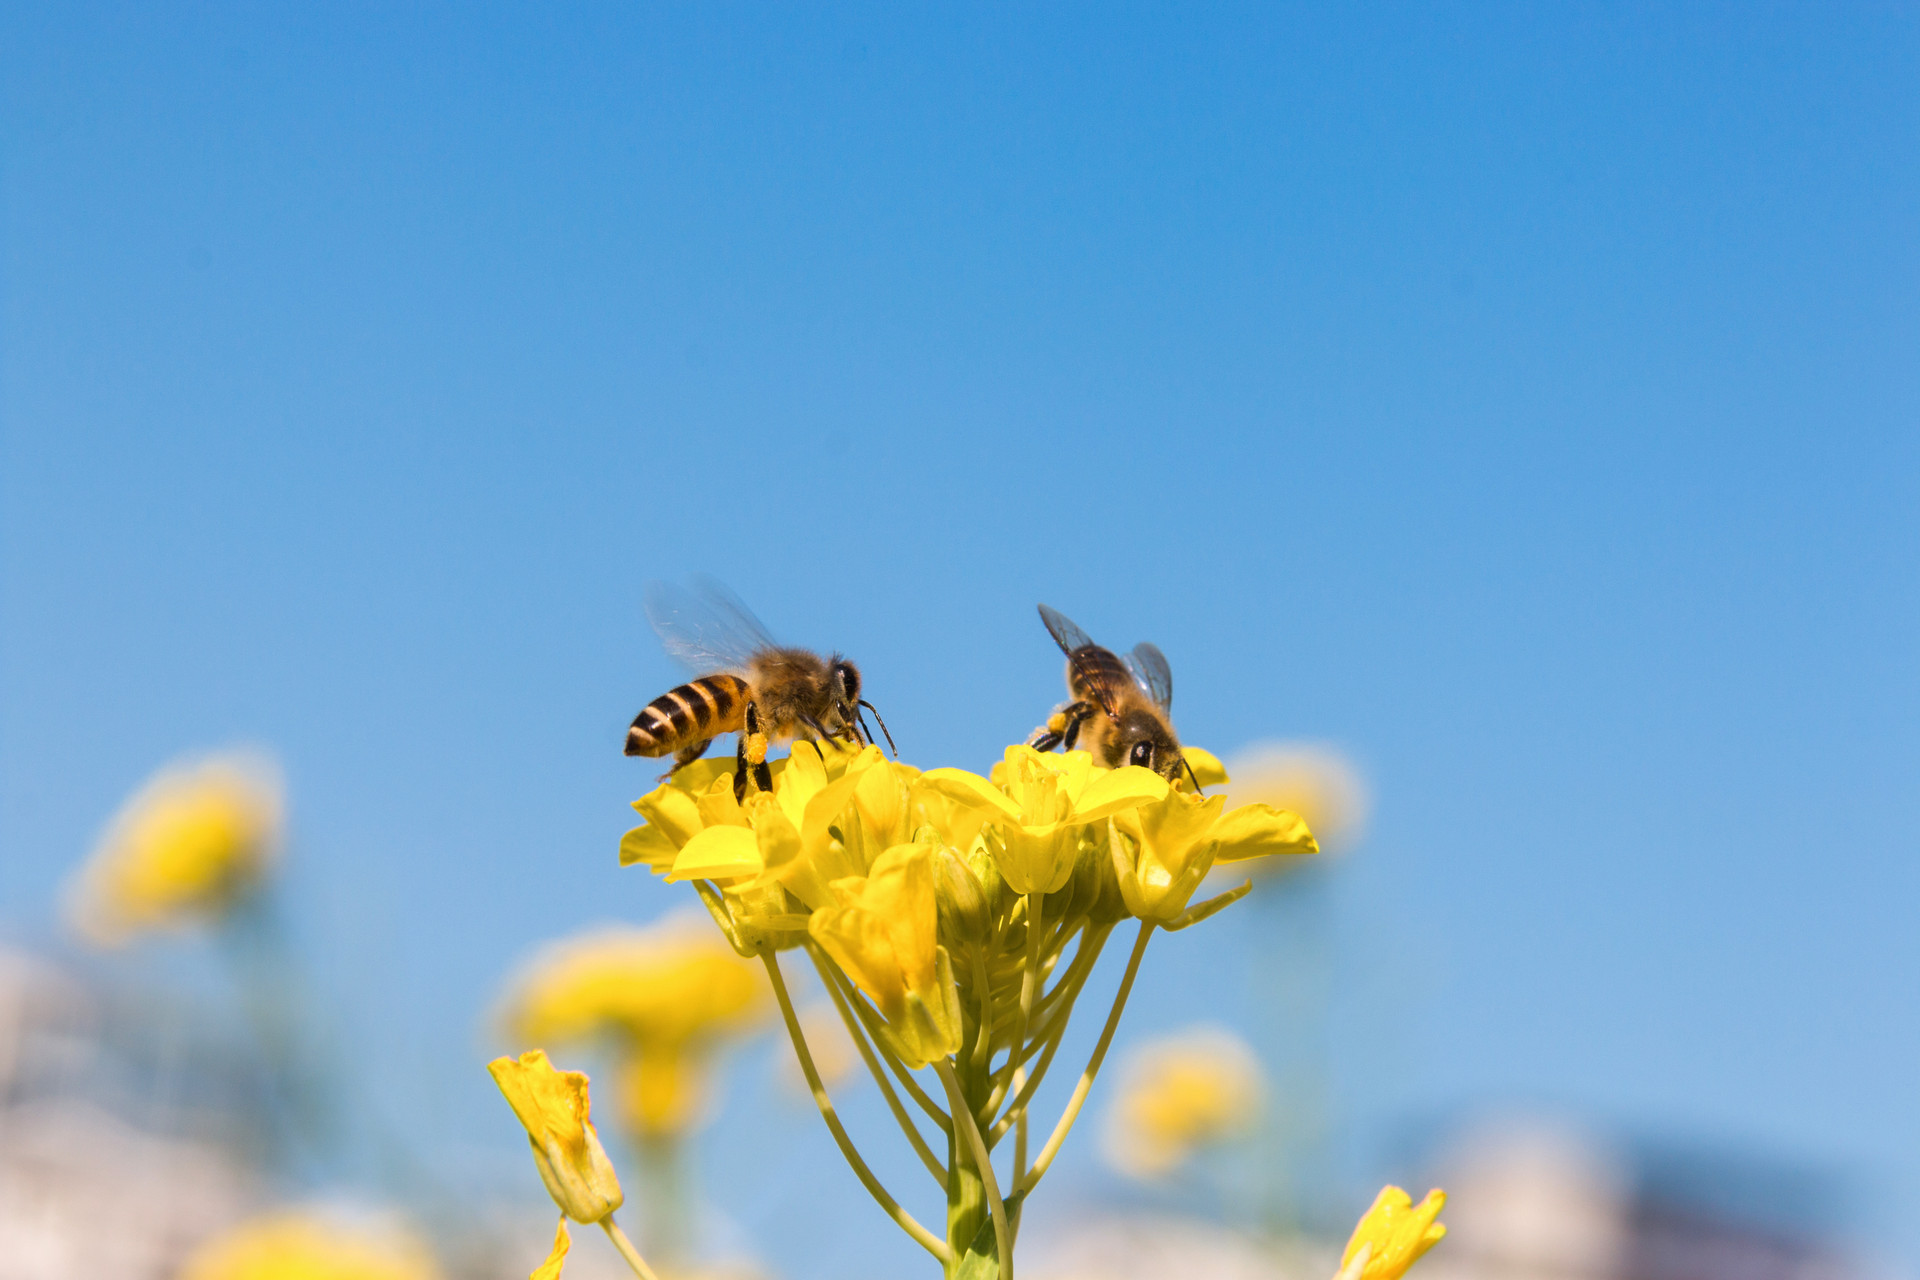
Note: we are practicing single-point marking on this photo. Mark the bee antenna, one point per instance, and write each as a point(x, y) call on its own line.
point(883, 727)
point(1190, 773)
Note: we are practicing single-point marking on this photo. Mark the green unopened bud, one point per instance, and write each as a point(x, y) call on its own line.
point(963, 904)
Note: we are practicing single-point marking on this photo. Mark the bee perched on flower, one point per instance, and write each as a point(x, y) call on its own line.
point(955, 920)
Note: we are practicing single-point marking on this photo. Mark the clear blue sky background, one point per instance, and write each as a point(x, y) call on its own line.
point(1524, 400)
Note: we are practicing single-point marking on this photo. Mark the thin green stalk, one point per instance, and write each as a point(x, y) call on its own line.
point(1029, 982)
point(627, 1251)
point(983, 1163)
point(927, 1240)
point(1029, 1180)
point(870, 1019)
point(983, 1043)
point(854, 1029)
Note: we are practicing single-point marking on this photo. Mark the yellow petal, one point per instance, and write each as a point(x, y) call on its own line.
point(1257, 830)
point(718, 853)
point(676, 813)
point(648, 844)
point(554, 1108)
point(1393, 1234)
point(970, 790)
point(550, 1269)
point(1117, 789)
point(1206, 766)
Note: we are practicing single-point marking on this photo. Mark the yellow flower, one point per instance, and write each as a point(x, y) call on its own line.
point(1392, 1236)
point(557, 1256)
point(883, 934)
point(555, 1110)
point(666, 998)
point(189, 845)
point(1178, 1095)
point(1035, 804)
point(1162, 851)
point(295, 1245)
point(1310, 779)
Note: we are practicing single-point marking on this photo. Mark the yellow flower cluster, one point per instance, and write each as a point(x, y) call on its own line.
point(928, 889)
point(297, 1245)
point(182, 852)
point(1180, 1094)
point(663, 999)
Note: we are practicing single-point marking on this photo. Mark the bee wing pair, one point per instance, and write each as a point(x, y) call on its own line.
point(1146, 664)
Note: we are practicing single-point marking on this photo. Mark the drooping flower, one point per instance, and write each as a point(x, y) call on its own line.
point(308, 1245)
point(1178, 1095)
point(554, 1108)
point(1392, 1235)
point(664, 999)
point(1162, 851)
point(186, 848)
point(883, 935)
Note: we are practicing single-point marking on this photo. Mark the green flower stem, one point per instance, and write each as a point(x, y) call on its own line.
point(983, 1043)
point(905, 1221)
point(870, 1019)
point(1031, 1179)
point(983, 1162)
point(627, 1251)
point(1029, 982)
point(854, 1029)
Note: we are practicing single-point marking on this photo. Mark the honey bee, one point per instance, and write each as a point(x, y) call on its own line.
point(763, 691)
point(1120, 709)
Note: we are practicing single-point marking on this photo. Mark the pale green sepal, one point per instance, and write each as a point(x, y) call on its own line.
point(1195, 914)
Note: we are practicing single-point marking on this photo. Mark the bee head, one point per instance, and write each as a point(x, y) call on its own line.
point(1144, 740)
point(846, 680)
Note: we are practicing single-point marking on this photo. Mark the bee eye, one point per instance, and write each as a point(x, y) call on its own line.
point(1142, 754)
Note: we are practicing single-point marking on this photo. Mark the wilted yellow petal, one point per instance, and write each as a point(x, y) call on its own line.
point(554, 1108)
point(562, 1242)
point(1258, 830)
point(718, 853)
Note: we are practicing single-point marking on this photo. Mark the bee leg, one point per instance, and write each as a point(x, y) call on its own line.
point(1062, 728)
point(750, 751)
point(686, 756)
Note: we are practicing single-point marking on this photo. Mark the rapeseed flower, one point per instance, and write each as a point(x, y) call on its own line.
point(663, 999)
point(183, 851)
point(554, 1108)
point(300, 1245)
point(1178, 1095)
point(1392, 1235)
point(1311, 779)
point(955, 919)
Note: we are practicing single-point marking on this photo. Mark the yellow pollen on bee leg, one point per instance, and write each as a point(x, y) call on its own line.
point(756, 748)
point(1057, 722)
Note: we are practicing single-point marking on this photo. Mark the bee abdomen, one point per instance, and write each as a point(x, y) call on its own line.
point(688, 713)
point(1092, 669)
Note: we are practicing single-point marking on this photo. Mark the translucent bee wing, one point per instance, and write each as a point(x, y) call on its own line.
point(1064, 632)
point(1149, 667)
point(706, 628)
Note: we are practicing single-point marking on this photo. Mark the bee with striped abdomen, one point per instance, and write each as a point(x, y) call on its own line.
point(1121, 710)
point(762, 691)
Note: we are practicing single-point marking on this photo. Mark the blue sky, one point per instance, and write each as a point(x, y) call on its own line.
point(1523, 400)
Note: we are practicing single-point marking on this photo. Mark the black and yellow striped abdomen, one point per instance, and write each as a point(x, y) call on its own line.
point(1096, 675)
point(689, 713)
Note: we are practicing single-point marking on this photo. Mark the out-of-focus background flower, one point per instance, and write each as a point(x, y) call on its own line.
point(1504, 421)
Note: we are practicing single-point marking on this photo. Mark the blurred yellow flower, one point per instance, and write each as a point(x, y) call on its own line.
point(296, 1245)
point(189, 844)
point(1310, 779)
point(1178, 1095)
point(665, 998)
point(1392, 1236)
point(554, 1108)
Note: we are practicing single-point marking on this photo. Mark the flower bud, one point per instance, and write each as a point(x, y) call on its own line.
point(963, 905)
